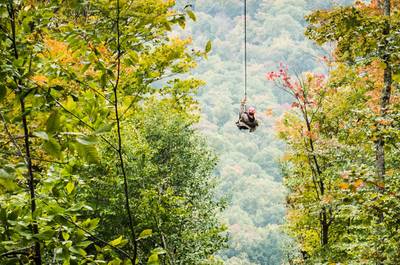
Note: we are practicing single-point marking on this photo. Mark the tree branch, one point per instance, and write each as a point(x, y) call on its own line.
point(119, 150)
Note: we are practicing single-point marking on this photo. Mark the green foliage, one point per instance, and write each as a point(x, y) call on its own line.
point(172, 187)
point(352, 219)
point(75, 80)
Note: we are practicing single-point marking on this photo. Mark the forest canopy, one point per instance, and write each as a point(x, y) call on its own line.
point(118, 142)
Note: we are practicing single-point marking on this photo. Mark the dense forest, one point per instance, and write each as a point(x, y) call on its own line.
point(249, 170)
point(118, 142)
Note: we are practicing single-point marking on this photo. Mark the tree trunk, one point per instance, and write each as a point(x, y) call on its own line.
point(27, 156)
point(119, 150)
point(385, 99)
point(324, 228)
point(323, 214)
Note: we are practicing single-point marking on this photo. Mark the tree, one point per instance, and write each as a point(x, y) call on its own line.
point(349, 117)
point(74, 77)
point(172, 187)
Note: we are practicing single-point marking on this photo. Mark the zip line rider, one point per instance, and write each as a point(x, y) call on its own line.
point(247, 119)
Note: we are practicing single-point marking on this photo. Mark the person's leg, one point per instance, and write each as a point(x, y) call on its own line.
point(242, 126)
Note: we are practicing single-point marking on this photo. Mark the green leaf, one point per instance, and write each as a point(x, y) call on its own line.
point(3, 91)
point(145, 233)
point(167, 26)
point(104, 128)
point(53, 122)
point(88, 152)
point(116, 242)
point(77, 251)
point(7, 180)
point(42, 135)
point(153, 259)
point(4, 174)
point(65, 235)
point(115, 261)
point(86, 66)
point(396, 78)
point(86, 140)
point(158, 251)
point(208, 46)
point(46, 234)
point(7, 184)
point(52, 147)
point(70, 187)
point(191, 15)
point(181, 22)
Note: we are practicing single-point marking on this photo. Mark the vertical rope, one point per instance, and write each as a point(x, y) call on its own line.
point(245, 49)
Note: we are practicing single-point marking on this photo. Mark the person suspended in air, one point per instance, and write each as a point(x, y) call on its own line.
point(247, 117)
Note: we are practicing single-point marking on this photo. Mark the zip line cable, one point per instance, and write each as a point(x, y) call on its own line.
point(245, 49)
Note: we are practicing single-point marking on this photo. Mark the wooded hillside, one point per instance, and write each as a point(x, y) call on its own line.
point(118, 142)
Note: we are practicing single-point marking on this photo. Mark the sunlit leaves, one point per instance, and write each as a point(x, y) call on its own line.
point(145, 234)
point(116, 241)
point(65, 73)
point(154, 257)
point(346, 126)
point(7, 181)
point(42, 135)
point(88, 152)
point(70, 187)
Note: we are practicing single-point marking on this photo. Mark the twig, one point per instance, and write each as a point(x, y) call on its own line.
point(20, 251)
point(12, 138)
point(83, 122)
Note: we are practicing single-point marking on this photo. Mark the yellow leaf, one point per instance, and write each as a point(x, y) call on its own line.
point(70, 187)
point(116, 242)
point(145, 233)
point(358, 183)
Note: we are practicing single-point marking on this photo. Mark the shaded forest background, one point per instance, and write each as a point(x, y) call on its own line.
point(248, 167)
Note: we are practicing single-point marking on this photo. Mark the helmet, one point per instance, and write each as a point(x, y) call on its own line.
point(251, 110)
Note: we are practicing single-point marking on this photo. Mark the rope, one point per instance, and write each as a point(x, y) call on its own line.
point(245, 49)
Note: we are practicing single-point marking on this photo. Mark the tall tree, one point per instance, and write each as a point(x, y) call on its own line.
point(386, 91)
point(355, 131)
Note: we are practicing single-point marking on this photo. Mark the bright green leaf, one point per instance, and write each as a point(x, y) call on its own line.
point(65, 235)
point(145, 233)
point(104, 128)
point(153, 259)
point(70, 187)
point(116, 242)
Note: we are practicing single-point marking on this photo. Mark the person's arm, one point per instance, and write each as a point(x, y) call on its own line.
point(243, 117)
point(242, 106)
